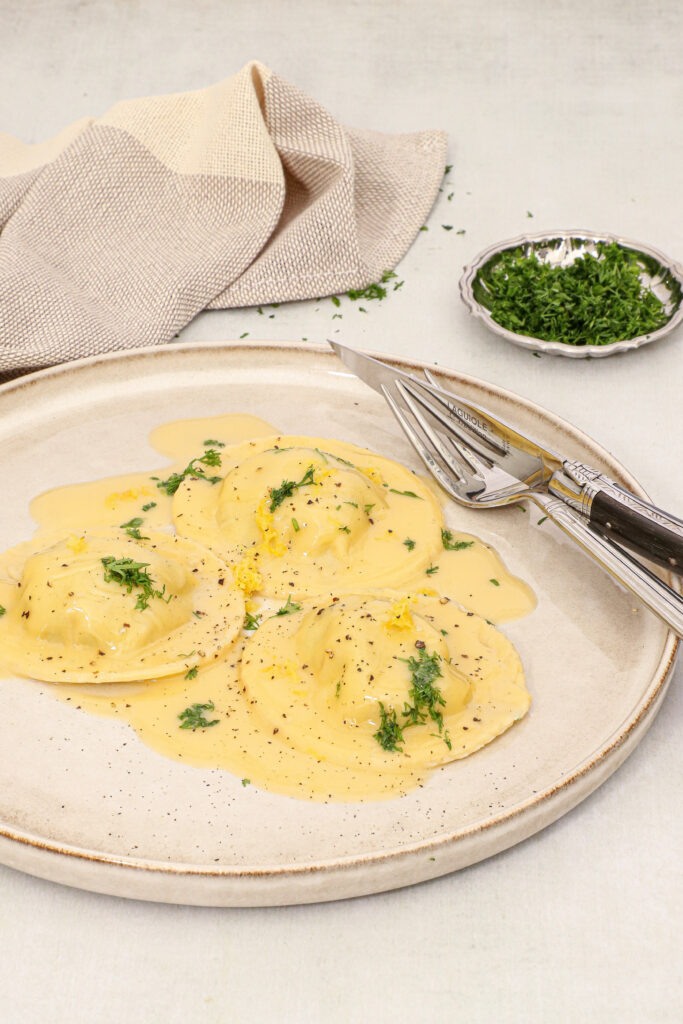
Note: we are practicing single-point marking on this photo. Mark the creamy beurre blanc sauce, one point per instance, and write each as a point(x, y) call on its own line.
point(291, 719)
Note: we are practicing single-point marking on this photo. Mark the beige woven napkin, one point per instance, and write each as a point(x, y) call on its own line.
point(120, 230)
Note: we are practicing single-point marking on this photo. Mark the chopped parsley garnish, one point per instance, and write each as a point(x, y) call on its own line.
point(246, 782)
point(192, 673)
point(132, 528)
point(289, 607)
point(252, 621)
point(213, 443)
point(344, 462)
point(337, 689)
point(596, 300)
point(295, 525)
point(454, 545)
point(432, 569)
point(390, 734)
point(193, 717)
point(410, 544)
point(335, 300)
point(345, 529)
point(407, 494)
point(2, 611)
point(210, 458)
point(541, 520)
point(149, 505)
point(354, 504)
point(287, 488)
point(426, 700)
point(129, 574)
point(495, 583)
point(426, 697)
point(368, 509)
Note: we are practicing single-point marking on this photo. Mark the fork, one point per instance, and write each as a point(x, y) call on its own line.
point(466, 466)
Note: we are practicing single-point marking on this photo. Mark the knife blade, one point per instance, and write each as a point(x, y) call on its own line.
point(493, 438)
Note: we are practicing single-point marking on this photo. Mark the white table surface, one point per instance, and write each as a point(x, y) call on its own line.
point(567, 109)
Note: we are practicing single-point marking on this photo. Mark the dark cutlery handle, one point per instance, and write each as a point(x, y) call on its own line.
point(638, 530)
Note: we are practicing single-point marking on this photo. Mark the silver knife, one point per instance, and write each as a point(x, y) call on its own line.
point(608, 508)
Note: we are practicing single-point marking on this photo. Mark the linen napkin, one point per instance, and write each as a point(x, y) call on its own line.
point(121, 229)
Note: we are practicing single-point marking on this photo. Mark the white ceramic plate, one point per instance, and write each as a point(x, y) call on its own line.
point(85, 803)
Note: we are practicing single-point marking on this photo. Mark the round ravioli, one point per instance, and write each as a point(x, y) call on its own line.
point(386, 682)
point(298, 516)
point(104, 607)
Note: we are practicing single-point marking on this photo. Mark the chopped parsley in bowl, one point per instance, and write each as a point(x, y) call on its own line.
point(576, 294)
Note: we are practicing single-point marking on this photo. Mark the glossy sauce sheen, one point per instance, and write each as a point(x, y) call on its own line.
point(295, 701)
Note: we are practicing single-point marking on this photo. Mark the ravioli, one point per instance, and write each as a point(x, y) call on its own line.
point(105, 607)
point(382, 682)
point(297, 516)
point(361, 664)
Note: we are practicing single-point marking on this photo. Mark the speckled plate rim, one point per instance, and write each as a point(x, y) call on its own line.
point(557, 348)
point(333, 879)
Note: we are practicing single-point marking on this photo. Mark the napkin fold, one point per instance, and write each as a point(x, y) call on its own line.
point(121, 229)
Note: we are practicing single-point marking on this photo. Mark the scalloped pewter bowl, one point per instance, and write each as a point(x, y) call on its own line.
point(560, 248)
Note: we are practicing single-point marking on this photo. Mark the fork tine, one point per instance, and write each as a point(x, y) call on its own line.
point(430, 462)
point(457, 460)
point(475, 457)
point(442, 410)
point(475, 436)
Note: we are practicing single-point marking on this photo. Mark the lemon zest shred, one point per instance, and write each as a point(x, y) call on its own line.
point(373, 474)
point(399, 616)
point(266, 524)
point(247, 577)
point(286, 667)
point(132, 494)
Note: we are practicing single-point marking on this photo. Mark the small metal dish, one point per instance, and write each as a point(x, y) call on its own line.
point(560, 248)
